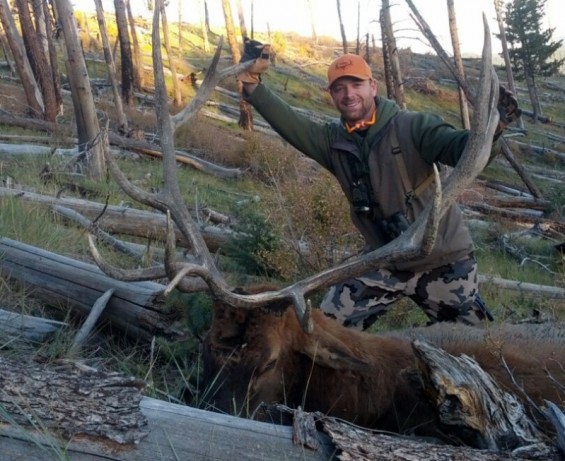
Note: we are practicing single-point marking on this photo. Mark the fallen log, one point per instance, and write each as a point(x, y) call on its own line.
point(545, 152)
point(125, 220)
point(71, 411)
point(524, 287)
point(531, 217)
point(36, 329)
point(137, 308)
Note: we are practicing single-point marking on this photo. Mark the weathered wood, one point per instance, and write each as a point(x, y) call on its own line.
point(87, 414)
point(540, 150)
point(356, 444)
point(123, 219)
point(467, 397)
point(91, 320)
point(14, 325)
point(507, 152)
point(531, 217)
point(136, 307)
point(525, 287)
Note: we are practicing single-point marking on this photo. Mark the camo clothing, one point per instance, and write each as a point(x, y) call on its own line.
point(445, 293)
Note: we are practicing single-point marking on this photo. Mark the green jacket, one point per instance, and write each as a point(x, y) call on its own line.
point(424, 139)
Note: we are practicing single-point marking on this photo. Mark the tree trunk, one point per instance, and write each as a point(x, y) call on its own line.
point(312, 22)
point(108, 56)
point(45, 16)
point(463, 106)
point(172, 64)
point(179, 26)
point(393, 51)
point(126, 61)
point(245, 113)
point(88, 128)
point(505, 54)
point(241, 16)
point(533, 92)
point(138, 79)
point(204, 26)
point(38, 60)
point(387, 67)
point(358, 41)
point(342, 28)
point(68, 410)
point(31, 89)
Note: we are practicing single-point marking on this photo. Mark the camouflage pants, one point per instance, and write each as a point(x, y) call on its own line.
point(446, 293)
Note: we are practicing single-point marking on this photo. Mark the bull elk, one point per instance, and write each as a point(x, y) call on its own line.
point(267, 351)
point(263, 356)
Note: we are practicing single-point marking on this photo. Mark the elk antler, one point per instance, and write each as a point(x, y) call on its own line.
point(416, 242)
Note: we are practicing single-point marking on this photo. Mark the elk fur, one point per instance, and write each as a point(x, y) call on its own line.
point(263, 355)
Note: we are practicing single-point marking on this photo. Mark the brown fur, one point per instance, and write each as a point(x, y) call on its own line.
point(263, 355)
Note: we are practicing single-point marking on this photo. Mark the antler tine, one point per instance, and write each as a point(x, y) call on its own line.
point(485, 119)
point(211, 79)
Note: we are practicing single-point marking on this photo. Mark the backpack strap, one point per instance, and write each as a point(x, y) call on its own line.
point(413, 192)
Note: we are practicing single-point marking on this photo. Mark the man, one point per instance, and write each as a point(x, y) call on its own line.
point(382, 157)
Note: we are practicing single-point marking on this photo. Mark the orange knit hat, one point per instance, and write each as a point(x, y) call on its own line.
point(349, 65)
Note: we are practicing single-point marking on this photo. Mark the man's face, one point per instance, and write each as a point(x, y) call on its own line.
point(354, 98)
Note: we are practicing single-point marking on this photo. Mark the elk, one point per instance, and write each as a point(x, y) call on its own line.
point(264, 356)
point(268, 344)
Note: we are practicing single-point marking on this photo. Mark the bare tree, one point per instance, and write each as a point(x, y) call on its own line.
point(179, 25)
point(126, 61)
point(38, 60)
point(31, 88)
point(203, 26)
point(313, 26)
point(44, 20)
point(88, 128)
point(172, 64)
point(387, 67)
point(245, 112)
point(108, 56)
point(138, 79)
point(241, 16)
point(506, 55)
point(463, 107)
point(358, 41)
point(341, 28)
point(393, 52)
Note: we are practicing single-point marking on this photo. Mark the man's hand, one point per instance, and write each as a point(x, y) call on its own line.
point(260, 54)
point(507, 108)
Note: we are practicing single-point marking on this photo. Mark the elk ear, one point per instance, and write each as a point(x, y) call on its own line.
point(229, 324)
point(328, 351)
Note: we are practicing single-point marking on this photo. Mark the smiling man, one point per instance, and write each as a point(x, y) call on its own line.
point(383, 158)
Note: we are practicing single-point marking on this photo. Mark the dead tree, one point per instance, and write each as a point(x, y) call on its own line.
point(126, 61)
point(393, 54)
point(342, 29)
point(463, 107)
point(505, 53)
point(112, 76)
point(88, 127)
point(39, 61)
point(245, 112)
point(23, 66)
